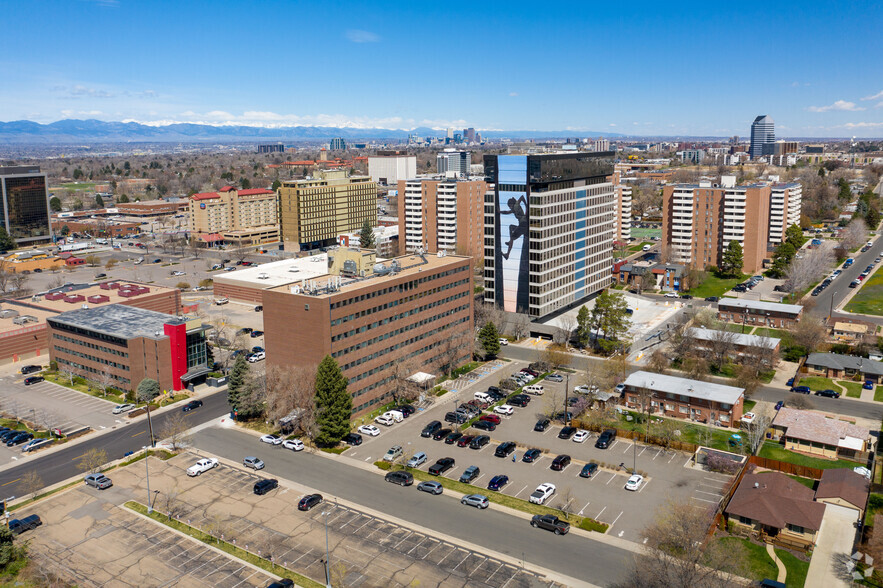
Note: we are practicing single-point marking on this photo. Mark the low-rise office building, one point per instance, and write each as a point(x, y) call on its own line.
point(374, 318)
point(30, 260)
point(683, 398)
point(149, 208)
point(127, 344)
point(759, 314)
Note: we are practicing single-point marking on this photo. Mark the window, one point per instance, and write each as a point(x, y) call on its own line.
point(747, 521)
point(683, 410)
point(796, 529)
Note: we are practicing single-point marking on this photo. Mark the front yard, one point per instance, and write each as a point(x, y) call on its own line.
point(772, 450)
point(761, 566)
point(869, 299)
point(714, 286)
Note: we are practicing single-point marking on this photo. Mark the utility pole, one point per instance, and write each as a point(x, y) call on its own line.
point(566, 393)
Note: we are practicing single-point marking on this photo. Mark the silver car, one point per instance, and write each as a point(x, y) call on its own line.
point(100, 481)
point(476, 500)
point(253, 462)
point(431, 487)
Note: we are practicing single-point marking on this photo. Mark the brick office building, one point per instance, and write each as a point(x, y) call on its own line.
point(129, 344)
point(415, 311)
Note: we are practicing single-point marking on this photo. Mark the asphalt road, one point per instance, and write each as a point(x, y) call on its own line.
point(839, 288)
point(572, 555)
point(62, 464)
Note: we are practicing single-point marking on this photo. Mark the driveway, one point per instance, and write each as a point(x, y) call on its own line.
point(833, 548)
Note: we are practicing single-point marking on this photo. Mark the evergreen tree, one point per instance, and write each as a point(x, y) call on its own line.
point(731, 260)
point(55, 204)
point(237, 382)
point(489, 338)
point(65, 231)
point(366, 236)
point(781, 259)
point(147, 390)
point(794, 235)
point(99, 201)
point(123, 199)
point(334, 405)
point(872, 218)
point(583, 325)
point(7, 243)
point(845, 193)
point(276, 185)
point(610, 319)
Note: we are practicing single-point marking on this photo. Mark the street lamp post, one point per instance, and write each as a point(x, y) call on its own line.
point(327, 563)
point(147, 470)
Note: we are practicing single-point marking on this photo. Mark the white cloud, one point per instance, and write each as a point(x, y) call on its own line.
point(863, 125)
point(838, 105)
point(513, 94)
point(876, 96)
point(269, 119)
point(357, 36)
point(612, 124)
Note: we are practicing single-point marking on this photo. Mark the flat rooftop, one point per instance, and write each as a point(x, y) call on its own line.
point(759, 305)
point(685, 387)
point(117, 320)
point(93, 290)
point(8, 326)
point(408, 265)
point(276, 273)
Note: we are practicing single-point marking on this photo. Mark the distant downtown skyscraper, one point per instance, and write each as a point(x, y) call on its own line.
point(762, 131)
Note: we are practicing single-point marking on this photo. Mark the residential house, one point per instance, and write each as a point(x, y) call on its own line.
point(835, 365)
point(684, 398)
point(845, 488)
point(777, 508)
point(705, 339)
point(849, 332)
point(810, 432)
point(759, 314)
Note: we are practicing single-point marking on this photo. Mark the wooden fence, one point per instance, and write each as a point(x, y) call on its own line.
point(785, 467)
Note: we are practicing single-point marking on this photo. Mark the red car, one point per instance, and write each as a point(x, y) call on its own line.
point(465, 440)
point(491, 418)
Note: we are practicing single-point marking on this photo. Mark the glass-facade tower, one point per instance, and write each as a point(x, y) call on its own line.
point(25, 198)
point(763, 131)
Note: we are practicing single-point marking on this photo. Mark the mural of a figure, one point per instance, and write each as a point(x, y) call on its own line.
point(516, 208)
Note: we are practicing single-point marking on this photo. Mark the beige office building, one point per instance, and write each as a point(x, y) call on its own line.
point(314, 212)
point(245, 217)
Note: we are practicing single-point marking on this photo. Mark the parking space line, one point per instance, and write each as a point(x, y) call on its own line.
point(711, 493)
point(520, 491)
point(597, 517)
point(418, 544)
point(437, 543)
point(612, 476)
point(644, 485)
point(628, 447)
point(673, 456)
point(583, 508)
point(616, 519)
point(704, 500)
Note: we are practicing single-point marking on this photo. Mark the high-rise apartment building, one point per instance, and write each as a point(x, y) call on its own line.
point(271, 148)
point(700, 220)
point(550, 222)
point(601, 145)
point(454, 163)
point(785, 208)
point(389, 169)
point(381, 322)
point(623, 212)
point(244, 217)
point(763, 131)
point(441, 214)
point(337, 144)
point(312, 213)
point(25, 212)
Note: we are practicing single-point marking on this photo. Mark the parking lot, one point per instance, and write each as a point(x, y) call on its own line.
point(601, 497)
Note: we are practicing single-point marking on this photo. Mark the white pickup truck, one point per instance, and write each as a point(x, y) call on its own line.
point(203, 465)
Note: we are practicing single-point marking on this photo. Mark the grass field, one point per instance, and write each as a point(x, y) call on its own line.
point(853, 389)
point(75, 186)
point(818, 383)
point(714, 286)
point(760, 565)
point(766, 332)
point(772, 450)
point(878, 394)
point(639, 246)
point(645, 233)
point(868, 300)
point(796, 568)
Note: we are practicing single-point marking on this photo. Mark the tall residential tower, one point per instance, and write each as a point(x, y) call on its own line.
point(763, 131)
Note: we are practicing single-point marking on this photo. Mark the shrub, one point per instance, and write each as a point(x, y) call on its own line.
point(182, 286)
point(383, 465)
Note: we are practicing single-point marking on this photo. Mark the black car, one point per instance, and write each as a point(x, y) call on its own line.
point(456, 417)
point(470, 474)
point(550, 523)
point(7, 435)
point(588, 470)
point(605, 439)
point(828, 393)
point(712, 299)
point(686, 297)
point(479, 442)
point(401, 478)
point(497, 482)
point(19, 439)
point(256, 334)
point(192, 405)
point(282, 583)
point(484, 425)
point(566, 432)
point(519, 400)
point(259, 308)
point(30, 369)
point(99, 276)
point(441, 434)
point(441, 466)
point(33, 380)
point(496, 396)
point(531, 455)
point(430, 429)
point(505, 449)
point(542, 425)
point(491, 389)
point(801, 389)
point(261, 487)
point(353, 439)
point(406, 410)
point(560, 462)
point(309, 501)
point(453, 437)
point(19, 526)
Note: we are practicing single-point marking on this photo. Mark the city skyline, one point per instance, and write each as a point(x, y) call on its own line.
point(646, 72)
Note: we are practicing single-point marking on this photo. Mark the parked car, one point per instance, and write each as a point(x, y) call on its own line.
point(385, 420)
point(712, 299)
point(441, 466)
point(542, 493)
point(456, 417)
point(256, 334)
point(555, 378)
point(504, 409)
point(401, 478)
point(254, 463)
point(309, 501)
point(470, 474)
point(430, 429)
point(542, 425)
point(504, 342)
point(550, 523)
point(566, 432)
point(580, 436)
point(828, 393)
point(780, 404)
point(531, 455)
point(19, 439)
point(99, 481)
point(33, 380)
point(497, 482)
point(430, 487)
point(406, 410)
point(192, 405)
point(261, 487)
point(634, 482)
point(393, 453)
point(271, 439)
point(801, 389)
point(505, 449)
point(605, 439)
point(476, 500)
point(588, 470)
point(465, 440)
point(453, 437)
point(560, 462)
point(19, 526)
point(203, 465)
point(417, 460)
point(369, 430)
point(491, 418)
point(293, 444)
point(868, 385)
point(484, 425)
point(30, 369)
point(479, 442)
point(352, 439)
point(441, 434)
point(519, 401)
point(256, 357)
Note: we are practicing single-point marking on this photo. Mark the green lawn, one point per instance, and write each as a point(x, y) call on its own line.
point(808, 482)
point(868, 300)
point(714, 286)
point(734, 328)
point(690, 433)
point(748, 405)
point(639, 246)
point(760, 565)
point(772, 450)
point(766, 332)
point(645, 233)
point(853, 389)
point(818, 383)
point(878, 394)
point(795, 567)
point(77, 186)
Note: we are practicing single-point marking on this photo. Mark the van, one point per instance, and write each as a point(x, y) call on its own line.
point(395, 415)
point(101, 241)
point(645, 248)
point(535, 389)
point(483, 397)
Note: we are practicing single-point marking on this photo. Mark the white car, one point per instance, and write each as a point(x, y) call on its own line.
point(504, 341)
point(542, 493)
point(271, 439)
point(369, 430)
point(203, 465)
point(671, 295)
point(293, 444)
point(504, 409)
point(256, 357)
point(123, 408)
point(620, 388)
point(862, 471)
point(385, 420)
point(748, 417)
point(634, 482)
point(580, 436)
point(179, 273)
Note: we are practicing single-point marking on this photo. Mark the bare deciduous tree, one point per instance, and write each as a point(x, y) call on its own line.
point(175, 432)
point(812, 267)
point(800, 402)
point(720, 346)
point(520, 326)
point(756, 430)
point(31, 483)
point(290, 389)
point(658, 362)
point(92, 460)
point(810, 333)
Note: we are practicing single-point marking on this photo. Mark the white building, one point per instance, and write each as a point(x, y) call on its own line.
point(785, 208)
point(389, 169)
point(623, 212)
point(386, 240)
point(451, 162)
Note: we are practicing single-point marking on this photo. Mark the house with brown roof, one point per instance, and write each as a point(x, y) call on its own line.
point(816, 434)
point(843, 487)
point(777, 508)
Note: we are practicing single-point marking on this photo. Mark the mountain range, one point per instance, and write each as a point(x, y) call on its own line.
point(80, 131)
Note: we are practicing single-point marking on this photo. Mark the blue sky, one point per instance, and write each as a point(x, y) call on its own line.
point(634, 68)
